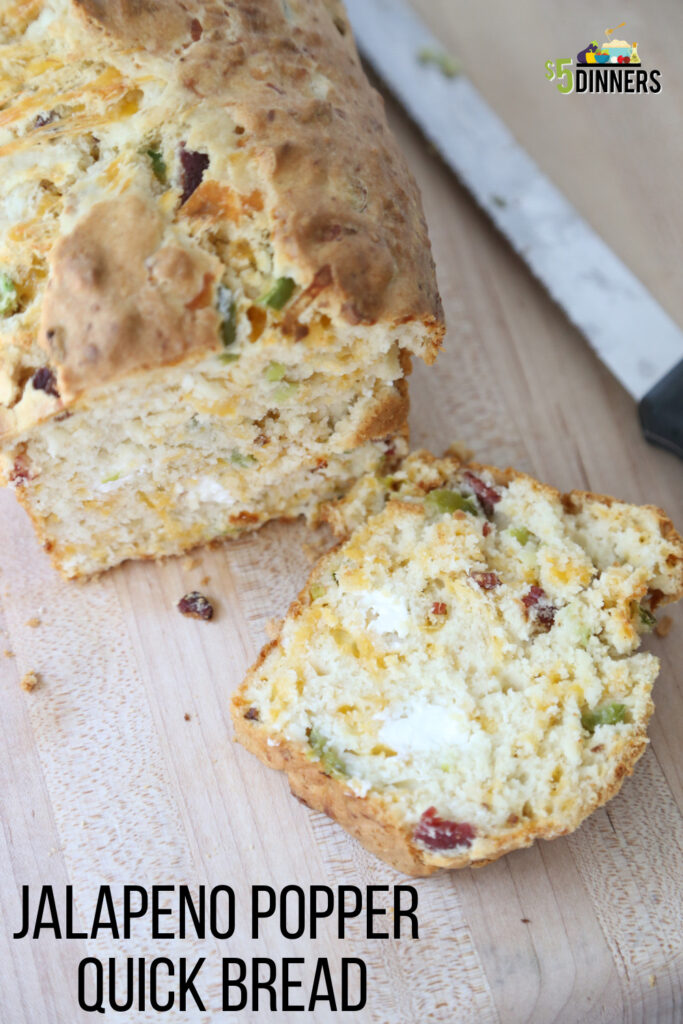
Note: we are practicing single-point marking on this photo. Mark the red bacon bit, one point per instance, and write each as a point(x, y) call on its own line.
point(486, 529)
point(488, 497)
point(438, 834)
point(195, 30)
point(486, 580)
point(538, 604)
point(439, 608)
point(44, 380)
point(21, 471)
point(535, 595)
point(42, 119)
point(392, 458)
point(193, 166)
point(195, 606)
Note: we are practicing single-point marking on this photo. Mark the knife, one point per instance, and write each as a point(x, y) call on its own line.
point(639, 341)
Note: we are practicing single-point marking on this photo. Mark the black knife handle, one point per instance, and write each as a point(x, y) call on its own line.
point(661, 411)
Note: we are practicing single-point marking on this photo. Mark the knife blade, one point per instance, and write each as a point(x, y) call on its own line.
point(639, 342)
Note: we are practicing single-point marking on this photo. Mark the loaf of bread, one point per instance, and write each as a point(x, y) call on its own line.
point(214, 270)
point(460, 675)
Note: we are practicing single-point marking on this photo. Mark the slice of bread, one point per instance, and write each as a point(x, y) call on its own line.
point(460, 675)
point(214, 270)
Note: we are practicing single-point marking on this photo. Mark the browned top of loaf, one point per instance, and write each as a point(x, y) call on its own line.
point(277, 83)
point(121, 299)
point(341, 195)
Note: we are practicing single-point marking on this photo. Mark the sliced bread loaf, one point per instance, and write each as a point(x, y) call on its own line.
point(214, 270)
point(461, 675)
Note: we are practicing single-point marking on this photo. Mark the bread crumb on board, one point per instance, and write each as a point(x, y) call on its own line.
point(664, 625)
point(33, 622)
point(317, 544)
point(190, 562)
point(460, 450)
point(29, 681)
point(195, 606)
point(8, 653)
point(272, 628)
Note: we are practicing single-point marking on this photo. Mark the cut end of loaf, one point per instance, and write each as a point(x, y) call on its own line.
point(461, 675)
point(178, 459)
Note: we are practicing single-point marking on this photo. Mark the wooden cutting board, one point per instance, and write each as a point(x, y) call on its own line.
point(120, 767)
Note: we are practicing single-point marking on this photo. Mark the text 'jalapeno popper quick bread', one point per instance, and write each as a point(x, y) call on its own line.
point(214, 269)
point(460, 675)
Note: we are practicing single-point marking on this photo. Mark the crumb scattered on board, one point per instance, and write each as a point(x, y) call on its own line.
point(8, 653)
point(205, 580)
point(272, 628)
point(651, 980)
point(309, 551)
point(195, 606)
point(187, 716)
point(460, 450)
point(34, 622)
point(190, 562)
point(313, 549)
point(29, 681)
point(664, 625)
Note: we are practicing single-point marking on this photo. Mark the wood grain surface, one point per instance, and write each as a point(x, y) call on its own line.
point(120, 767)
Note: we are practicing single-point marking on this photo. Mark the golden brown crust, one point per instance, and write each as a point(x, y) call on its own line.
point(367, 818)
point(339, 192)
point(362, 817)
point(389, 418)
point(133, 20)
point(572, 501)
point(119, 301)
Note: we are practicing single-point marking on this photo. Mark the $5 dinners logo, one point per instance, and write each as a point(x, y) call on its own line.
point(611, 66)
